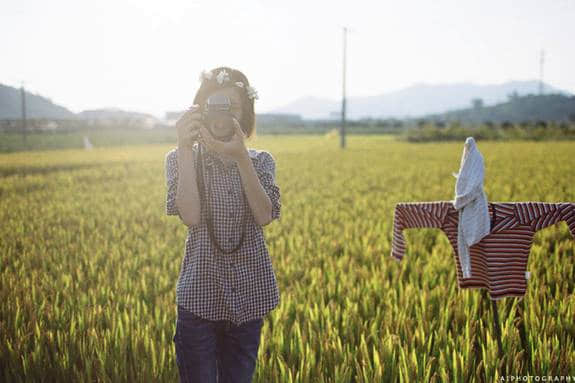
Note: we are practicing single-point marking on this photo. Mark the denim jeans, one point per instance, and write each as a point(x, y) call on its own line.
point(215, 351)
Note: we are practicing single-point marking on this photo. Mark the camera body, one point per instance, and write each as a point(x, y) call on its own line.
point(218, 117)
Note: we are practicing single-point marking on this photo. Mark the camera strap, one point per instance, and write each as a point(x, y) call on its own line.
point(205, 204)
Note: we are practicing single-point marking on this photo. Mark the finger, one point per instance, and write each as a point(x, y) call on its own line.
point(206, 138)
point(214, 144)
point(194, 134)
point(201, 140)
point(192, 113)
point(202, 131)
point(238, 128)
point(185, 120)
point(191, 116)
point(195, 116)
point(195, 125)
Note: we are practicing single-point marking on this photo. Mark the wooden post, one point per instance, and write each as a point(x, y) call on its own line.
point(23, 99)
point(519, 323)
point(477, 343)
point(497, 327)
point(343, 100)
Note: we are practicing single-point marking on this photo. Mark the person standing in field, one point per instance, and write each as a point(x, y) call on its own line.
point(224, 193)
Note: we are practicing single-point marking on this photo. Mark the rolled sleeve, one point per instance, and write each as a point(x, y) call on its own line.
point(171, 172)
point(266, 170)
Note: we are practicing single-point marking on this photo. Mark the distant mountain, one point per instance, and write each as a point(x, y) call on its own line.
point(417, 100)
point(310, 107)
point(41, 107)
point(550, 107)
point(113, 114)
point(36, 105)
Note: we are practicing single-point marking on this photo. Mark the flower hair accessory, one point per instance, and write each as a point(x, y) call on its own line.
point(252, 92)
point(205, 75)
point(223, 77)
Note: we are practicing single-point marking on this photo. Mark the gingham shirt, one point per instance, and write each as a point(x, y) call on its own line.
point(499, 260)
point(240, 286)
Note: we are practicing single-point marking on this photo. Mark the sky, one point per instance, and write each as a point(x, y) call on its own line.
point(146, 56)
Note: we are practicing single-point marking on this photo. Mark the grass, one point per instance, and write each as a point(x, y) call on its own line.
point(89, 264)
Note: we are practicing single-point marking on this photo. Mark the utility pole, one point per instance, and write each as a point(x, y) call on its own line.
point(343, 101)
point(541, 62)
point(23, 97)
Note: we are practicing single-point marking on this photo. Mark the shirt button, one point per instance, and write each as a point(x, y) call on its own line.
point(230, 239)
point(234, 290)
point(230, 214)
point(230, 191)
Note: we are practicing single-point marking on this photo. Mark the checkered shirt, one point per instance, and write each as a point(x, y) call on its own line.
point(240, 286)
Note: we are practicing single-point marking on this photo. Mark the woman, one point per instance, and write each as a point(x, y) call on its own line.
point(224, 192)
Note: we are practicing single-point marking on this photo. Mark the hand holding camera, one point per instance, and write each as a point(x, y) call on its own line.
point(188, 127)
point(233, 149)
point(221, 132)
point(214, 126)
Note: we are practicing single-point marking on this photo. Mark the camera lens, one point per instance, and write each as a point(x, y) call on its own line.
point(218, 117)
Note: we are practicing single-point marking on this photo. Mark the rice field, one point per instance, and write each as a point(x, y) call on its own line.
point(89, 264)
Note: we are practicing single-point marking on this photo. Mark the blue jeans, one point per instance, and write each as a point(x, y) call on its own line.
point(215, 351)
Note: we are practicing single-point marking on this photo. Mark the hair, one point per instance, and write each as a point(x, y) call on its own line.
point(248, 120)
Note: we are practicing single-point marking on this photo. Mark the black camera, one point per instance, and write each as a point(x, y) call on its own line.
point(218, 117)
